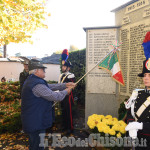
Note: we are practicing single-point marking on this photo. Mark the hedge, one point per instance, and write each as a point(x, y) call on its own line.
point(10, 107)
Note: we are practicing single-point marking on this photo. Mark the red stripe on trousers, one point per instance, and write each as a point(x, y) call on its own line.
point(70, 111)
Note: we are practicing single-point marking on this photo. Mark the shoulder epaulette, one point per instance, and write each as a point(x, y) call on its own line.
point(132, 98)
point(71, 76)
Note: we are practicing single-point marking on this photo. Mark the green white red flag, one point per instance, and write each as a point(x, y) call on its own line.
point(111, 64)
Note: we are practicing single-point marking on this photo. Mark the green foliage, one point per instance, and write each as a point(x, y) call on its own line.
point(2, 113)
point(9, 91)
point(16, 105)
point(122, 111)
point(77, 58)
point(10, 107)
point(2, 91)
point(11, 123)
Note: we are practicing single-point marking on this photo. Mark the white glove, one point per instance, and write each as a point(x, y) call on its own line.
point(133, 133)
point(131, 99)
point(134, 125)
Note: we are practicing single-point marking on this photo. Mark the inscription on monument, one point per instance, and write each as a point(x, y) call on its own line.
point(146, 12)
point(139, 4)
point(98, 46)
point(132, 54)
point(126, 20)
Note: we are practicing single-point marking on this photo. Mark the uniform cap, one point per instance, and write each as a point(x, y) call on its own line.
point(35, 64)
point(146, 68)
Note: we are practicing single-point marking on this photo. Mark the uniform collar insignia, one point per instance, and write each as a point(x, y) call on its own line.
point(147, 91)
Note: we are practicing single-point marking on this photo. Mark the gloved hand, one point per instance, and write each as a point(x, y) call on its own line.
point(133, 133)
point(71, 85)
point(134, 125)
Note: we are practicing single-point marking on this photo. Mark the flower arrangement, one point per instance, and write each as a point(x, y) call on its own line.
point(106, 125)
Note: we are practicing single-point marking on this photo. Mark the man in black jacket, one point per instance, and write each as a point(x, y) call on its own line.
point(23, 75)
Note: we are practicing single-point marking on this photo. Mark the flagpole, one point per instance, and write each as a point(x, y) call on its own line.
point(94, 67)
point(115, 49)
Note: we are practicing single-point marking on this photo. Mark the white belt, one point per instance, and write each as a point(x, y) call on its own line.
point(143, 107)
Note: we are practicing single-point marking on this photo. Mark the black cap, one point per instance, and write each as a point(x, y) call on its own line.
point(145, 68)
point(35, 64)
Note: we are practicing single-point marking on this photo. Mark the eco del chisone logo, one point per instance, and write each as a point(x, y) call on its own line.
point(93, 140)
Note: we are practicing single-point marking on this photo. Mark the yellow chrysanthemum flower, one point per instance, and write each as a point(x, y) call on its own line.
point(106, 129)
point(110, 122)
point(101, 126)
point(119, 135)
point(108, 116)
point(94, 116)
point(122, 123)
point(106, 121)
point(116, 127)
point(122, 130)
point(91, 124)
point(112, 132)
point(101, 117)
point(114, 119)
point(93, 120)
point(115, 122)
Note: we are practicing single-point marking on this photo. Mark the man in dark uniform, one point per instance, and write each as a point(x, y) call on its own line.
point(68, 102)
point(138, 116)
point(23, 75)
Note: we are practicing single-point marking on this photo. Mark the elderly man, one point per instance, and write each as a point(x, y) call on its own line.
point(37, 100)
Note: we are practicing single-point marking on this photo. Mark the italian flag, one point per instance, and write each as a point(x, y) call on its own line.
point(112, 64)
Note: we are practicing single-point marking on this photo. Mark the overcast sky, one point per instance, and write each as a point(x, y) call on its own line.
point(65, 25)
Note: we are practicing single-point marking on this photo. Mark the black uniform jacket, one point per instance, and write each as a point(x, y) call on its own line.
point(145, 116)
point(23, 76)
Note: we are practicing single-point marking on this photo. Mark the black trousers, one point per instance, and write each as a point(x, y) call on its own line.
point(67, 116)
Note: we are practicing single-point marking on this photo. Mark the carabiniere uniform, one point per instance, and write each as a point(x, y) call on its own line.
point(139, 110)
point(68, 102)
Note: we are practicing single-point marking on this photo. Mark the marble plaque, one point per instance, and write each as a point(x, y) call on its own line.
point(98, 46)
point(132, 54)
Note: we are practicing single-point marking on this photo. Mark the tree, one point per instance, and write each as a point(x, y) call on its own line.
point(58, 51)
point(19, 19)
point(72, 48)
point(1, 52)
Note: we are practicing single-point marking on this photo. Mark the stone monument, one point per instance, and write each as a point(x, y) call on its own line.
point(103, 95)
